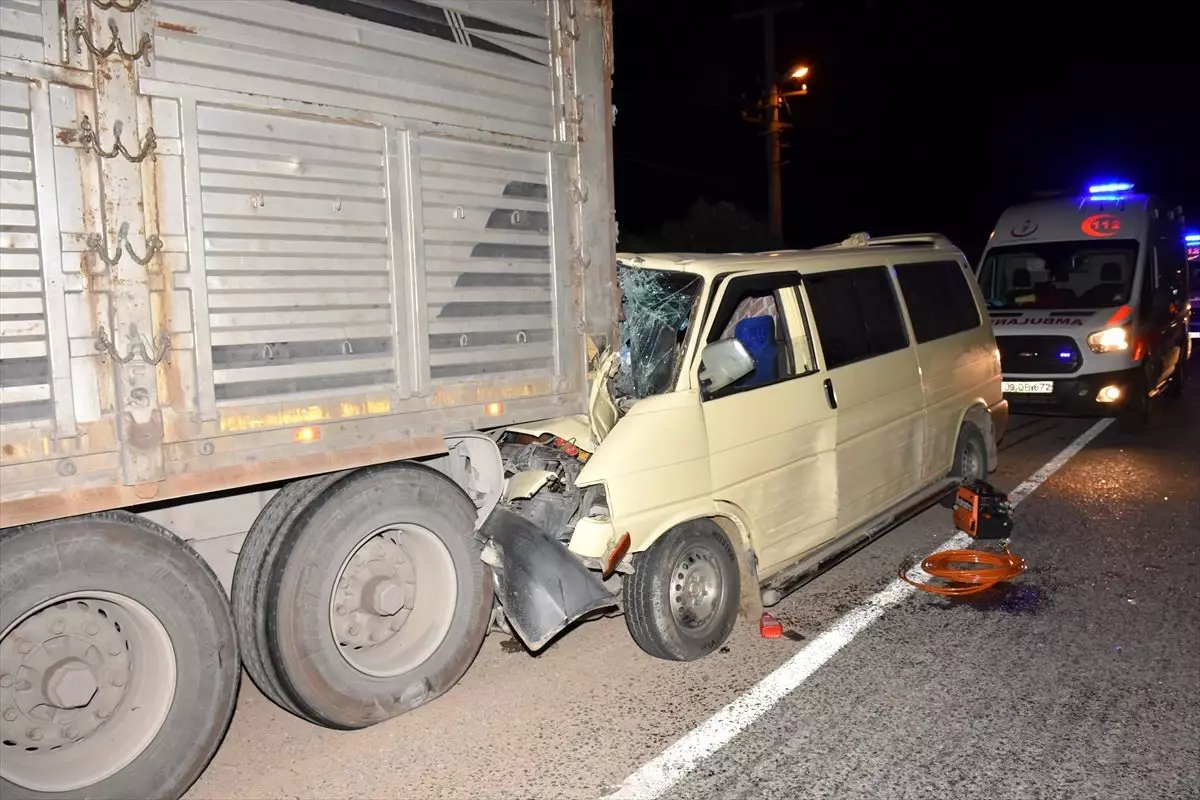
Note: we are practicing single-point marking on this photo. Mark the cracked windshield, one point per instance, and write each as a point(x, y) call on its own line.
point(657, 310)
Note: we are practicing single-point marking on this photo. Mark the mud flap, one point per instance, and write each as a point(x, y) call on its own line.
point(542, 587)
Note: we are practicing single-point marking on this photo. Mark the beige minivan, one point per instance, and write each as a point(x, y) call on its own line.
point(767, 414)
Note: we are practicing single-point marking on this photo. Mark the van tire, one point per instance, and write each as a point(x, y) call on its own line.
point(657, 610)
point(304, 549)
point(259, 549)
point(970, 456)
point(122, 580)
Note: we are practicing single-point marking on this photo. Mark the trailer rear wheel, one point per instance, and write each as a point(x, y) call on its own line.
point(112, 685)
point(366, 597)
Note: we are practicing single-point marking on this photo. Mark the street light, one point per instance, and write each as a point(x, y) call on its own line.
point(777, 93)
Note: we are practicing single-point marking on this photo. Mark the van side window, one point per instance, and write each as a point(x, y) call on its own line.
point(856, 313)
point(1172, 267)
point(939, 299)
point(752, 311)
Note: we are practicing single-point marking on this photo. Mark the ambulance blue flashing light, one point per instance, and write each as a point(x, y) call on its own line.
point(1192, 238)
point(1109, 188)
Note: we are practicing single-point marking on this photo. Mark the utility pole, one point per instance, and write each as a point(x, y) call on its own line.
point(771, 121)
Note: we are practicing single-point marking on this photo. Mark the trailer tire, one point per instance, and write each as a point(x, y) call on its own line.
point(259, 548)
point(156, 648)
point(329, 560)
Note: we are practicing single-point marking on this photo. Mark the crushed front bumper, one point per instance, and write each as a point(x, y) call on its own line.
point(541, 585)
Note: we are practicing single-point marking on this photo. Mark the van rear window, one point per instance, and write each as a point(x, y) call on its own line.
point(939, 299)
point(856, 313)
point(1069, 275)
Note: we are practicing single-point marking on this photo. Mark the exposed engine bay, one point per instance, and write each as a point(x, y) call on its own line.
point(541, 472)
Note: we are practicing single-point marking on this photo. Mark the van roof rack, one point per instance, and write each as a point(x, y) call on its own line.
point(864, 239)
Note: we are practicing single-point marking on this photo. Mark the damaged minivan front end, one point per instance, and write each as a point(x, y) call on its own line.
point(556, 554)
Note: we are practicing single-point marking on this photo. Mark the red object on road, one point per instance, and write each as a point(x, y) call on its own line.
point(769, 627)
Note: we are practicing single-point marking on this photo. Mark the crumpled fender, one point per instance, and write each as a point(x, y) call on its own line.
point(542, 587)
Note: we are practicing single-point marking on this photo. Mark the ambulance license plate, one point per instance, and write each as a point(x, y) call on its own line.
point(1027, 387)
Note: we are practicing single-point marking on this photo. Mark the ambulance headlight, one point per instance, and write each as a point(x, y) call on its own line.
point(1109, 340)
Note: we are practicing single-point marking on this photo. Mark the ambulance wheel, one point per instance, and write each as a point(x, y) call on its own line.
point(1135, 417)
point(681, 602)
point(970, 459)
point(1178, 381)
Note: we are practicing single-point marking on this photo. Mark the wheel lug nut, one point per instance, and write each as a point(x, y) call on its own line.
point(35, 734)
point(58, 627)
point(341, 610)
point(101, 713)
point(6, 681)
point(92, 629)
point(352, 630)
point(70, 732)
point(374, 637)
point(24, 648)
point(10, 714)
point(114, 650)
point(118, 681)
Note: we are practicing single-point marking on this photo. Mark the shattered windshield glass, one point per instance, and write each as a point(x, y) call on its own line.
point(657, 308)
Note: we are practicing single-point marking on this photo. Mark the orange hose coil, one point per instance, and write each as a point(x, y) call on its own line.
point(967, 571)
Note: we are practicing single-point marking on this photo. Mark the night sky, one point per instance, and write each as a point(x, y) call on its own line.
point(921, 116)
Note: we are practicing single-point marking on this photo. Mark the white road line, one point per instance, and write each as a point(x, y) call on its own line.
point(666, 769)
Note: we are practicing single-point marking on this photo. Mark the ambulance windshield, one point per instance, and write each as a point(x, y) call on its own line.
point(1067, 275)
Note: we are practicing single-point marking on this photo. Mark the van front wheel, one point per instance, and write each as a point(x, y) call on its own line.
point(681, 602)
point(970, 459)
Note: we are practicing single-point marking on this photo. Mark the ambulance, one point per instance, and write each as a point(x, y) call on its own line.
point(1192, 241)
point(1089, 298)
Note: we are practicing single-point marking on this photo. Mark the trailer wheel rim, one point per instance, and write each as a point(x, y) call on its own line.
point(86, 683)
point(393, 600)
point(695, 587)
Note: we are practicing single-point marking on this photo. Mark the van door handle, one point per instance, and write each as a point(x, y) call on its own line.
point(830, 394)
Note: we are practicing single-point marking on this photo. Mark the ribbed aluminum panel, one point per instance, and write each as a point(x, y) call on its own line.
point(24, 356)
point(416, 60)
point(298, 258)
point(21, 32)
point(488, 268)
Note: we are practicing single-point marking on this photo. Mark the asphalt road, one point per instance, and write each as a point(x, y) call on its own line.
point(1080, 681)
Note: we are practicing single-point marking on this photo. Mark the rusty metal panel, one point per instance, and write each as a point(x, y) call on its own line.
point(25, 376)
point(584, 44)
point(22, 33)
point(438, 67)
point(488, 260)
point(297, 254)
point(294, 247)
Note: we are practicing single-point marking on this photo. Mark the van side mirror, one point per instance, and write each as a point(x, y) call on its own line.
point(723, 363)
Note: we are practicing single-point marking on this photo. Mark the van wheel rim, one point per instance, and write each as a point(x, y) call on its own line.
point(393, 600)
point(86, 683)
point(695, 587)
point(972, 462)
